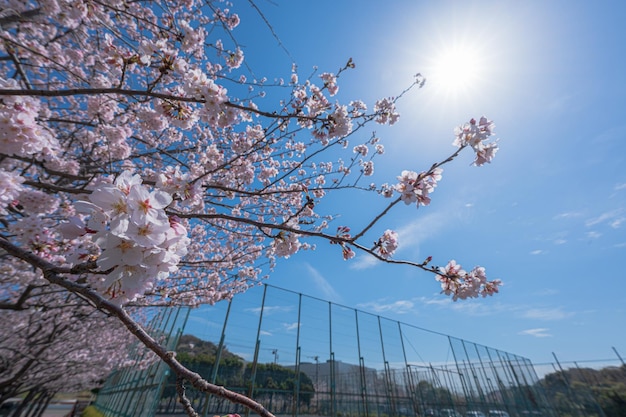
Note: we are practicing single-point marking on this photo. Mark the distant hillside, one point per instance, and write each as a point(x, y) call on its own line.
point(272, 382)
point(191, 346)
point(584, 387)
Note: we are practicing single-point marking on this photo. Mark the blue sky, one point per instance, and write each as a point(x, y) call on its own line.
point(548, 216)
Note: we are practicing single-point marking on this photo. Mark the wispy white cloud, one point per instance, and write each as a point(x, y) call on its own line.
point(621, 186)
point(291, 326)
point(593, 234)
point(381, 306)
point(413, 235)
point(466, 307)
point(363, 261)
point(613, 218)
point(546, 292)
point(436, 300)
point(560, 241)
point(203, 322)
point(323, 285)
point(547, 314)
point(537, 252)
point(568, 215)
point(476, 308)
point(267, 310)
point(539, 332)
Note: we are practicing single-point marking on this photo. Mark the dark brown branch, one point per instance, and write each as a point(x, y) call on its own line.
point(180, 390)
point(15, 16)
point(123, 92)
point(19, 304)
point(397, 200)
point(50, 273)
point(56, 188)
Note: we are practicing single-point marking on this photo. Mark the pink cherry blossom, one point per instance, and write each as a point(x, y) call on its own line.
point(146, 206)
point(416, 188)
point(330, 82)
point(461, 284)
point(10, 188)
point(475, 135)
point(386, 111)
point(117, 251)
point(143, 161)
point(387, 244)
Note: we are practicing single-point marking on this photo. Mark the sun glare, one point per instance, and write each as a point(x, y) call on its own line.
point(456, 69)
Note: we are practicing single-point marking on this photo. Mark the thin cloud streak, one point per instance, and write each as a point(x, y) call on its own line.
point(614, 218)
point(267, 310)
point(363, 261)
point(539, 332)
point(323, 285)
point(568, 215)
point(412, 236)
point(547, 314)
point(397, 307)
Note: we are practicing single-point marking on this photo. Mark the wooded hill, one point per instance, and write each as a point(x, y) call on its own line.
point(584, 389)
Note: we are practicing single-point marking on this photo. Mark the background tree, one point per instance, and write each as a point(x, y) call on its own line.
point(143, 163)
point(586, 390)
point(54, 341)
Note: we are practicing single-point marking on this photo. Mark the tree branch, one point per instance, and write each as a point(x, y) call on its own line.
point(49, 271)
point(124, 92)
point(12, 16)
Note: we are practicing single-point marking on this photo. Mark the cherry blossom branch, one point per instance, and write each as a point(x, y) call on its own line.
point(12, 16)
point(180, 390)
point(397, 200)
point(133, 93)
point(19, 303)
point(34, 52)
point(20, 68)
point(50, 273)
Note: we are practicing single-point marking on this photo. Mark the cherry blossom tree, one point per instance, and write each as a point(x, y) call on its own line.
point(142, 163)
point(54, 341)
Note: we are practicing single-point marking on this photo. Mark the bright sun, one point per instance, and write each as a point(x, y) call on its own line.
point(456, 70)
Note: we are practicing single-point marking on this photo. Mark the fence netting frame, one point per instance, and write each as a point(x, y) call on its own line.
point(303, 356)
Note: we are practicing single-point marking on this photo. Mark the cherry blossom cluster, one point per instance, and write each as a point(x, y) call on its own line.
point(140, 243)
point(330, 82)
point(52, 341)
point(228, 182)
point(286, 243)
point(343, 232)
point(387, 244)
point(180, 185)
point(163, 91)
point(461, 284)
point(386, 111)
point(475, 135)
point(20, 132)
point(10, 188)
point(416, 188)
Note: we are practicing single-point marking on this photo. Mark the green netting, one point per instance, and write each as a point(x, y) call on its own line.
point(302, 356)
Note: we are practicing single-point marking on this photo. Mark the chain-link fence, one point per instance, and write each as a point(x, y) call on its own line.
point(134, 390)
point(300, 355)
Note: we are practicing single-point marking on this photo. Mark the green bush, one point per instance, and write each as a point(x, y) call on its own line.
point(91, 411)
